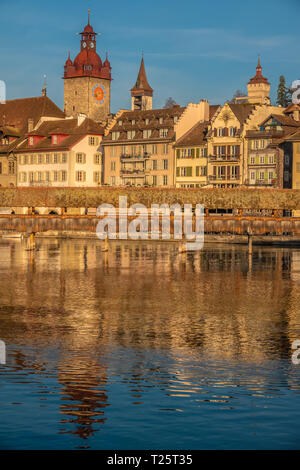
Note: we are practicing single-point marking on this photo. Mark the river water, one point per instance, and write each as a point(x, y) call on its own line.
point(145, 348)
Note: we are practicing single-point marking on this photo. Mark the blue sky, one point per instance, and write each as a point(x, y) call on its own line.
point(193, 49)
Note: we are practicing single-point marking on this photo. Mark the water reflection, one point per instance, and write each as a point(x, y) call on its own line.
point(116, 327)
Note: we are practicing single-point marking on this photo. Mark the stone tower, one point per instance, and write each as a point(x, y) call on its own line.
point(87, 80)
point(259, 88)
point(141, 93)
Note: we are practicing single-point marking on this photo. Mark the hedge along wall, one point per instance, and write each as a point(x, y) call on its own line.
point(211, 198)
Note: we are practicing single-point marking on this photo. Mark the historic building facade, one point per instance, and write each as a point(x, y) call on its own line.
point(138, 144)
point(61, 153)
point(87, 81)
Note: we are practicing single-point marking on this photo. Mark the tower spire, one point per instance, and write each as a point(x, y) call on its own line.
point(89, 11)
point(142, 92)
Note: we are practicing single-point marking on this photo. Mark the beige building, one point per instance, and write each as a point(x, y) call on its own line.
point(191, 149)
point(61, 152)
point(138, 144)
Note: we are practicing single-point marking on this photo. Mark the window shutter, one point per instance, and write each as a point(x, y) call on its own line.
point(197, 171)
point(215, 151)
point(197, 153)
point(177, 171)
point(238, 149)
point(178, 153)
point(215, 132)
point(193, 153)
point(189, 171)
point(225, 131)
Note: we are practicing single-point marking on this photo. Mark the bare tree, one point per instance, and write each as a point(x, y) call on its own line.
point(170, 103)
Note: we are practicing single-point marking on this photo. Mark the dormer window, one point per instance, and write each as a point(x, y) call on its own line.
point(30, 140)
point(146, 121)
point(115, 135)
point(120, 123)
point(54, 139)
point(133, 122)
point(161, 120)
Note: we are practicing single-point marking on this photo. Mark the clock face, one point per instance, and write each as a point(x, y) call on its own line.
point(99, 93)
point(92, 45)
point(84, 45)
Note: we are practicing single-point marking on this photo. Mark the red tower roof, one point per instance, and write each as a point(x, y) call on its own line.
point(87, 63)
point(258, 78)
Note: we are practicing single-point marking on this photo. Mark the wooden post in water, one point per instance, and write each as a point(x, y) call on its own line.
point(250, 242)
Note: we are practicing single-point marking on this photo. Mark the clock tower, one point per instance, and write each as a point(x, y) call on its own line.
point(87, 80)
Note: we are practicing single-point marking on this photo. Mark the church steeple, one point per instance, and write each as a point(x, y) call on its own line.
point(141, 92)
point(259, 87)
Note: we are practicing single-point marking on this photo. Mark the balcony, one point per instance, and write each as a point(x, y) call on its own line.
point(216, 178)
point(224, 158)
point(134, 158)
point(133, 173)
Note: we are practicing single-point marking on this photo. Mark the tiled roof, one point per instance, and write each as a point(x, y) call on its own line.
point(67, 126)
point(241, 110)
point(124, 123)
point(282, 119)
point(195, 136)
point(17, 112)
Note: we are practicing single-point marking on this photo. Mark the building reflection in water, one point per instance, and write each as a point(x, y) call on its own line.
point(211, 305)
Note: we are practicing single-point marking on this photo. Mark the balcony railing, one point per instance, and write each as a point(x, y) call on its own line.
point(132, 172)
point(224, 158)
point(125, 156)
point(223, 178)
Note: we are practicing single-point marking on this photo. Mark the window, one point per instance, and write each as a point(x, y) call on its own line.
point(186, 171)
point(55, 175)
point(54, 139)
point(115, 135)
point(64, 158)
point(47, 176)
point(113, 166)
point(120, 123)
point(48, 158)
point(113, 180)
point(80, 158)
point(147, 133)
point(270, 175)
point(154, 164)
point(31, 176)
point(252, 175)
point(40, 159)
point(64, 175)
point(93, 140)
point(146, 121)
point(232, 131)
point(262, 159)
point(286, 176)
point(287, 159)
point(23, 177)
point(32, 159)
point(252, 160)
point(166, 164)
point(55, 158)
point(133, 122)
point(96, 177)
point(271, 159)
point(80, 176)
point(165, 180)
point(97, 159)
point(220, 131)
point(39, 176)
point(113, 151)
point(154, 149)
point(30, 140)
point(154, 180)
point(11, 168)
point(130, 134)
point(161, 120)
point(164, 149)
point(163, 133)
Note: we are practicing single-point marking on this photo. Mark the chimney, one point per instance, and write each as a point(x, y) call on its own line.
point(30, 125)
point(204, 110)
point(44, 92)
point(80, 119)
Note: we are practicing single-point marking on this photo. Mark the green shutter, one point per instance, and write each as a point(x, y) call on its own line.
point(193, 153)
point(178, 153)
point(197, 153)
point(177, 171)
point(197, 170)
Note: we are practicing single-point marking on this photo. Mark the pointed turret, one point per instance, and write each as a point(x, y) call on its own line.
point(142, 92)
point(258, 87)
